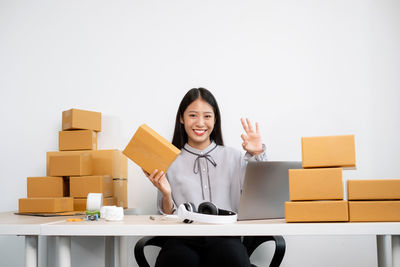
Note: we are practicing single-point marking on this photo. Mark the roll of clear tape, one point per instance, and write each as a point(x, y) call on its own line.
point(94, 202)
point(114, 213)
point(105, 210)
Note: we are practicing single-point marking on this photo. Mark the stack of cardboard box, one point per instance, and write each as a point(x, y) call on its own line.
point(46, 195)
point(316, 191)
point(78, 169)
point(374, 200)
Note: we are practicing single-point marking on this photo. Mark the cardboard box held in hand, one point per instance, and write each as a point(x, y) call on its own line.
point(150, 150)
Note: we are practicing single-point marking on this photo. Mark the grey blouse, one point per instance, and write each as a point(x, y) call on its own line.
point(215, 174)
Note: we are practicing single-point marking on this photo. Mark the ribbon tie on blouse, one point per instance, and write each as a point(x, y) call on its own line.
point(196, 167)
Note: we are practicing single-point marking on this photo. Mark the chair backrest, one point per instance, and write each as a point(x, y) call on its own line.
point(250, 242)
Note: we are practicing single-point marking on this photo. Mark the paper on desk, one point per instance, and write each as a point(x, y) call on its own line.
point(55, 214)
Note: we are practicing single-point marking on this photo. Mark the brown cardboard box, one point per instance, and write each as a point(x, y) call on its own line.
point(45, 187)
point(110, 162)
point(315, 184)
point(328, 151)
point(61, 153)
point(80, 203)
point(77, 140)
point(373, 189)
point(317, 211)
point(150, 150)
point(121, 192)
point(374, 211)
point(81, 120)
point(45, 205)
point(82, 186)
point(70, 164)
point(104, 162)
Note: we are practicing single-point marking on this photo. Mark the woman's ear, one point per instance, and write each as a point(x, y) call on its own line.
point(181, 119)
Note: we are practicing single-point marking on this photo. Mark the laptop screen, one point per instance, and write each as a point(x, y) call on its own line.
point(265, 189)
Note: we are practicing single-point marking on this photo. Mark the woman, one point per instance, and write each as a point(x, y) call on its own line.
point(205, 170)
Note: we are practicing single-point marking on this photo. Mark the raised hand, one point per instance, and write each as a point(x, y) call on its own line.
point(252, 139)
point(159, 180)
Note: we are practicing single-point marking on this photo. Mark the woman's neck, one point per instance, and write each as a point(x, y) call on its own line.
point(199, 146)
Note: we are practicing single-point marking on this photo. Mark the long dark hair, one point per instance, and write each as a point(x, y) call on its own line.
point(180, 137)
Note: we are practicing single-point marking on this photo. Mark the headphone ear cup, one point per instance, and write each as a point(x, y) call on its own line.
point(189, 206)
point(208, 208)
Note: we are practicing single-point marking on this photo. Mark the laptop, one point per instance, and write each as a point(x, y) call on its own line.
point(265, 189)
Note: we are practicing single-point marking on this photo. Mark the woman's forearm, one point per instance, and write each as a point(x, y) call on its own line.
point(167, 204)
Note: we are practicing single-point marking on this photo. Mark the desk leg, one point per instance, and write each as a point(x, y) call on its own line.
point(116, 251)
point(123, 247)
point(64, 251)
point(383, 247)
point(396, 250)
point(31, 251)
point(120, 251)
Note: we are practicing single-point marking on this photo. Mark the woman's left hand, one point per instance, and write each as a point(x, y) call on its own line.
point(252, 139)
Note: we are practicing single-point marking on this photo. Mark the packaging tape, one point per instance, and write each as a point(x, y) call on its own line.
point(104, 210)
point(112, 213)
point(94, 202)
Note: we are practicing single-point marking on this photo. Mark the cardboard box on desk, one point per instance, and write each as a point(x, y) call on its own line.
point(80, 203)
point(150, 150)
point(104, 162)
point(317, 211)
point(77, 140)
point(81, 120)
point(121, 192)
point(62, 164)
point(316, 184)
point(373, 189)
point(46, 187)
point(82, 186)
point(374, 211)
point(34, 205)
point(328, 151)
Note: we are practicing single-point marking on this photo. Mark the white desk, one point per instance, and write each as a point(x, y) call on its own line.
point(141, 225)
point(28, 226)
point(11, 224)
point(134, 225)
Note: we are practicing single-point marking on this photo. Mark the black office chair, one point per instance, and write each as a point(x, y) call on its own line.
point(250, 242)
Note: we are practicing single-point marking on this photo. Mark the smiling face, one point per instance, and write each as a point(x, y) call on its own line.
point(199, 120)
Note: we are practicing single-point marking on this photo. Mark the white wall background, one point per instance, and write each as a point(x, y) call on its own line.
point(299, 68)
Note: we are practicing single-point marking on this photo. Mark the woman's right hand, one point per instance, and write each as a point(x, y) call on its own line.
point(159, 180)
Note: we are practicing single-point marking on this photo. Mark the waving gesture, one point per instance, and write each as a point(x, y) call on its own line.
point(252, 139)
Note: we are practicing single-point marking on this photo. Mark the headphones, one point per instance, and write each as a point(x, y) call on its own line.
point(207, 212)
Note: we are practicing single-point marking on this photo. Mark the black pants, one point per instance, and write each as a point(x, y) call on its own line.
point(203, 251)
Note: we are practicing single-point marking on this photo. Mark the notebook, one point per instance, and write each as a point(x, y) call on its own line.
point(265, 189)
